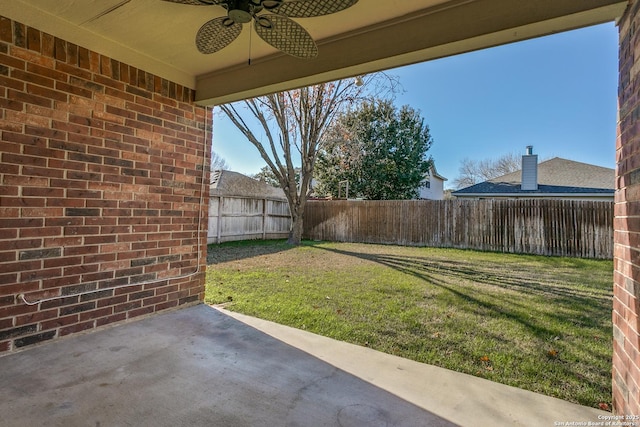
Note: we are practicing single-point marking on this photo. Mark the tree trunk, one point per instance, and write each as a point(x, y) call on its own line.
point(297, 223)
point(295, 234)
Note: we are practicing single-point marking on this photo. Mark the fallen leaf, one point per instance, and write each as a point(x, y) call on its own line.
point(485, 359)
point(604, 406)
point(552, 353)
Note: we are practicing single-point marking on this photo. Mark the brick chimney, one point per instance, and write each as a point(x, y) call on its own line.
point(529, 170)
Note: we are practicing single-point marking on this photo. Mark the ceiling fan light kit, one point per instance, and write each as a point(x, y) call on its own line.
point(272, 22)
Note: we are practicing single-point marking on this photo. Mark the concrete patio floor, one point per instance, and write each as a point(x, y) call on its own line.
point(203, 366)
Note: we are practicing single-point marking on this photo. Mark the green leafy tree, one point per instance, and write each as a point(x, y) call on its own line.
point(381, 151)
point(267, 176)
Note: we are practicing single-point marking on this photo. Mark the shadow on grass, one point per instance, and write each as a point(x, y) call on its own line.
point(234, 251)
point(563, 309)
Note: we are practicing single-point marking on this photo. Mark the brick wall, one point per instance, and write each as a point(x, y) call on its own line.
point(101, 171)
point(626, 302)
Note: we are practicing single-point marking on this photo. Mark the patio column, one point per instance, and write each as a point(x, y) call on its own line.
point(626, 301)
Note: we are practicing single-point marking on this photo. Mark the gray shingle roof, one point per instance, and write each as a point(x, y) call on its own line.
point(228, 183)
point(555, 176)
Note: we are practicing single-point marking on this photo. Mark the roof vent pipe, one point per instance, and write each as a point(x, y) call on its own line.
point(529, 171)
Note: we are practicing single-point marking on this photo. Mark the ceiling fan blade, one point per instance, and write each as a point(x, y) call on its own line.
point(197, 2)
point(311, 8)
point(286, 35)
point(217, 34)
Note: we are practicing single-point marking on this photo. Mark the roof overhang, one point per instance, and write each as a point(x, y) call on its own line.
point(373, 35)
point(608, 196)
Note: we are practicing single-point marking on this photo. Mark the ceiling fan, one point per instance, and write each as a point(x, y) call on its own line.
point(271, 22)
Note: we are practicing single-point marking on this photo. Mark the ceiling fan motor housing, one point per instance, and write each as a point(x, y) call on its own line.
point(241, 11)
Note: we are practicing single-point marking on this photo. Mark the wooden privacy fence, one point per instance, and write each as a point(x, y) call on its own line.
point(245, 218)
point(544, 227)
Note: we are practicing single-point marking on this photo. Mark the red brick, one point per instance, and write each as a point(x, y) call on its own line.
point(86, 141)
point(38, 171)
point(626, 374)
point(8, 279)
point(61, 281)
point(36, 317)
point(40, 232)
point(99, 276)
point(39, 92)
point(59, 322)
point(111, 319)
point(17, 310)
point(154, 300)
point(30, 99)
point(62, 241)
point(5, 345)
point(30, 77)
point(20, 266)
point(48, 45)
point(40, 274)
point(129, 306)
point(62, 262)
point(6, 34)
point(12, 62)
point(73, 90)
point(77, 328)
point(112, 301)
point(94, 314)
point(41, 212)
point(140, 311)
point(163, 306)
point(60, 49)
point(81, 269)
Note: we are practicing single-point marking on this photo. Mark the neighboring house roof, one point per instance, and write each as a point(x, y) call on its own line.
point(555, 176)
point(434, 173)
point(228, 183)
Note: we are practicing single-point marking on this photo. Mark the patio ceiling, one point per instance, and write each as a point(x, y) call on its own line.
point(158, 37)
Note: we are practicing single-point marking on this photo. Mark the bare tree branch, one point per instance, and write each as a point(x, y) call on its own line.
point(301, 118)
point(472, 172)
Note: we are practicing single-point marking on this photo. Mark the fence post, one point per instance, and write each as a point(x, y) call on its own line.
point(264, 218)
point(219, 227)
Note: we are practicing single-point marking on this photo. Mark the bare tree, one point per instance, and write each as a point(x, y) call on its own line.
point(218, 162)
point(300, 118)
point(475, 171)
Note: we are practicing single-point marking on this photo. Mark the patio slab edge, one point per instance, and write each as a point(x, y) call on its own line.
point(461, 398)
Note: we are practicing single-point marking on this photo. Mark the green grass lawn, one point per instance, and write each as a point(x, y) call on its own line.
point(538, 323)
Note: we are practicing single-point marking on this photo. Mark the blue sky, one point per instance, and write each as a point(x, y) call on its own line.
point(557, 93)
